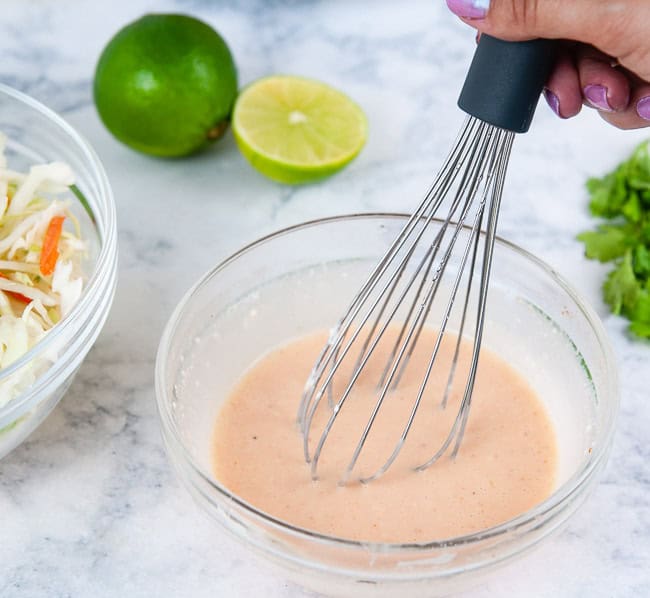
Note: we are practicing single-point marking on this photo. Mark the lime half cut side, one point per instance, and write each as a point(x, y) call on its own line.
point(297, 130)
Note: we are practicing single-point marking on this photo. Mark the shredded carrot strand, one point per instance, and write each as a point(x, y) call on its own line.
point(50, 251)
point(17, 296)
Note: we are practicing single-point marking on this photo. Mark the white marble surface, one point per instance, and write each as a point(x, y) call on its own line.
point(88, 505)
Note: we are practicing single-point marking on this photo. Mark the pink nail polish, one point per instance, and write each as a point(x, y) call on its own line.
point(469, 9)
point(643, 108)
point(553, 101)
point(596, 95)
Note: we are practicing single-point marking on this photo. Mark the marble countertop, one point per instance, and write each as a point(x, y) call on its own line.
point(88, 504)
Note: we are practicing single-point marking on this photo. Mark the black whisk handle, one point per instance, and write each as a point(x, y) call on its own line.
point(505, 81)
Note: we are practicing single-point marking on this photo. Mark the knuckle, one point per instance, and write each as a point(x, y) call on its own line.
point(514, 19)
point(528, 12)
point(623, 34)
point(523, 13)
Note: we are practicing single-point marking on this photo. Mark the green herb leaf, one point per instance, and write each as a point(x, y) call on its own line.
point(639, 311)
point(606, 243)
point(621, 288)
point(641, 263)
point(607, 195)
point(631, 209)
point(622, 197)
point(640, 329)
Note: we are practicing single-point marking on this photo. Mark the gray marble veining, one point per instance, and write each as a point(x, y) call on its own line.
point(88, 505)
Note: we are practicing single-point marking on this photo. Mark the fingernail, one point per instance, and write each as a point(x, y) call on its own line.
point(643, 108)
point(596, 95)
point(553, 101)
point(469, 9)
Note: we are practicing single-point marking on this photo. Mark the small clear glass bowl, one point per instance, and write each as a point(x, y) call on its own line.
point(37, 135)
point(300, 280)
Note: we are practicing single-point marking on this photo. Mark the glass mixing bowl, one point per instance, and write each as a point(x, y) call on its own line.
point(300, 280)
point(37, 135)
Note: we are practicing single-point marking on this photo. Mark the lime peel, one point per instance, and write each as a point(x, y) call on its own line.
point(297, 130)
point(165, 85)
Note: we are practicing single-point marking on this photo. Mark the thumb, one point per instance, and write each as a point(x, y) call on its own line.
point(616, 28)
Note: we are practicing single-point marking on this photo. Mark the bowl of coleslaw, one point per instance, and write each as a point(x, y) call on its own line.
point(58, 260)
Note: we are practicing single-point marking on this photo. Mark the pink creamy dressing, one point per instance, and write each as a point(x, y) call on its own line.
point(505, 466)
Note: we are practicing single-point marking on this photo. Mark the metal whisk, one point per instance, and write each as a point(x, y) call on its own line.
point(428, 269)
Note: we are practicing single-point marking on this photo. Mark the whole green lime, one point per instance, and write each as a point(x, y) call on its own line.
point(165, 85)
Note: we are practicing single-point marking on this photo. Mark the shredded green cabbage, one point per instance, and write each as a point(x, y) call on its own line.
point(33, 299)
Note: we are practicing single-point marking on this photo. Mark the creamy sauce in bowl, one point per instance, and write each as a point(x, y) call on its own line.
point(506, 464)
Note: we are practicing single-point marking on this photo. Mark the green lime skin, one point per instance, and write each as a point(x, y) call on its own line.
point(165, 85)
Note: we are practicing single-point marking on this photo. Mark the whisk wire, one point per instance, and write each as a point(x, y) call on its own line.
point(419, 322)
point(387, 291)
point(431, 253)
point(491, 149)
point(408, 280)
point(490, 238)
point(475, 176)
point(475, 169)
point(434, 197)
point(458, 428)
point(472, 175)
point(408, 343)
point(463, 317)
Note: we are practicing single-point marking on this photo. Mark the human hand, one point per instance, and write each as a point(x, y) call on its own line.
point(606, 63)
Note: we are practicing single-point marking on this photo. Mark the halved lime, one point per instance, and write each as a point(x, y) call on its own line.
point(297, 130)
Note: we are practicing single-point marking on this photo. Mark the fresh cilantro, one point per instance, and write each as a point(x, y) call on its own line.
point(622, 199)
point(641, 329)
point(605, 243)
point(641, 262)
point(621, 288)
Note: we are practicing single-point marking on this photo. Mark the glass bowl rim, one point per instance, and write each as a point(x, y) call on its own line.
point(557, 499)
point(103, 265)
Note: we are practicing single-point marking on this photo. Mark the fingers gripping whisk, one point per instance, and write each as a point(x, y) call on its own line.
point(434, 276)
